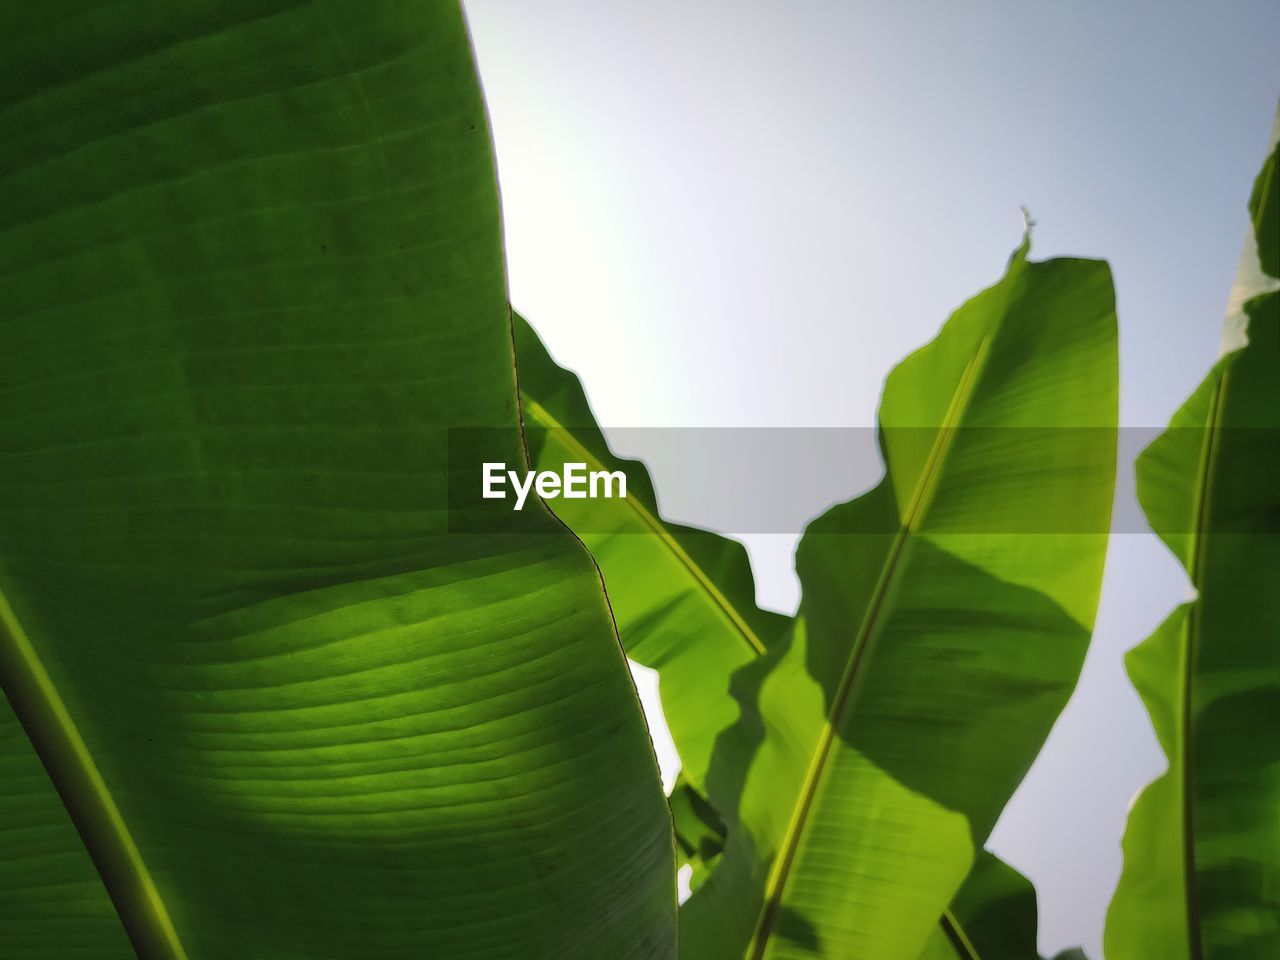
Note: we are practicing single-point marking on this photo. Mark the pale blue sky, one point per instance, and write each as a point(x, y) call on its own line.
point(744, 213)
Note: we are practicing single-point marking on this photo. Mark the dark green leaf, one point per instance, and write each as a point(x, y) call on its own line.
point(252, 276)
point(1260, 260)
point(700, 831)
point(993, 917)
point(1202, 849)
point(1202, 852)
point(1264, 212)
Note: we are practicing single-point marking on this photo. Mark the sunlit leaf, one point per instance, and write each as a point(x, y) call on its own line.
point(252, 277)
point(944, 620)
point(684, 598)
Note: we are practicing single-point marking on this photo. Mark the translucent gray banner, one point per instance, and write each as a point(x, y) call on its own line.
point(776, 480)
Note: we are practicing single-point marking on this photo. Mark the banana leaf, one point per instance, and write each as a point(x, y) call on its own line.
point(1202, 847)
point(697, 654)
point(944, 621)
point(1264, 211)
point(700, 831)
point(1258, 270)
point(996, 907)
point(293, 703)
point(701, 653)
point(684, 598)
point(993, 917)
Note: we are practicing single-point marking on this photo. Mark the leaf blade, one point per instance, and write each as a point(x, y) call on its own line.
point(1202, 856)
point(1206, 674)
point(254, 278)
point(684, 598)
point(892, 803)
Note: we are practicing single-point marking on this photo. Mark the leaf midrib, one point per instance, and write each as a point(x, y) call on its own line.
point(718, 599)
point(1201, 507)
point(956, 936)
point(921, 499)
point(53, 734)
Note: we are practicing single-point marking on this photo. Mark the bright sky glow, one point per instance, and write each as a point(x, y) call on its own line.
point(744, 213)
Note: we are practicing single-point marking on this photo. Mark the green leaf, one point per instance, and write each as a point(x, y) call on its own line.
point(1202, 851)
point(944, 621)
point(252, 276)
point(684, 598)
point(1259, 265)
point(1264, 213)
point(993, 917)
point(996, 907)
point(700, 831)
point(553, 397)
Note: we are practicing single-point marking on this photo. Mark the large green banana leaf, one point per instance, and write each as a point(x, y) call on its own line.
point(694, 631)
point(684, 598)
point(634, 546)
point(252, 273)
point(1202, 849)
point(944, 620)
